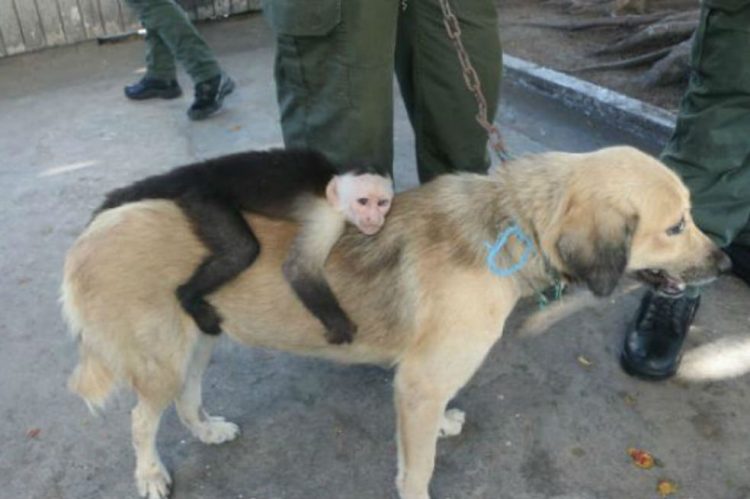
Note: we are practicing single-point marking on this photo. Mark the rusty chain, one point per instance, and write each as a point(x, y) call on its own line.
point(473, 84)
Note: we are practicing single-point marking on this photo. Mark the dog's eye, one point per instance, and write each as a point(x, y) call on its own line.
point(677, 229)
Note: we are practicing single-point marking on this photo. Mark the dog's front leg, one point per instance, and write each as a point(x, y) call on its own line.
point(426, 379)
point(421, 396)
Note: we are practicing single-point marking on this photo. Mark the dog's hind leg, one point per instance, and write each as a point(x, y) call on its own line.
point(151, 478)
point(207, 429)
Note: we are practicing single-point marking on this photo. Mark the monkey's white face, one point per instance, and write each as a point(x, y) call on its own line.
point(364, 200)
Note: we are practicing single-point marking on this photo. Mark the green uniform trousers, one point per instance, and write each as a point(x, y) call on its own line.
point(334, 75)
point(170, 35)
point(710, 147)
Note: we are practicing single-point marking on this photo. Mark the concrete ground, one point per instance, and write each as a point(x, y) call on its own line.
point(540, 424)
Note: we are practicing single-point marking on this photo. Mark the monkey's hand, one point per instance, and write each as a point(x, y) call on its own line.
point(340, 331)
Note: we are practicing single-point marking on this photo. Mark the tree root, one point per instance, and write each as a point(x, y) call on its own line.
point(673, 68)
point(630, 62)
point(625, 6)
point(600, 7)
point(602, 22)
point(658, 34)
point(667, 36)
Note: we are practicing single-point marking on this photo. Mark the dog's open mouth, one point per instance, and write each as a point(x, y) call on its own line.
point(661, 280)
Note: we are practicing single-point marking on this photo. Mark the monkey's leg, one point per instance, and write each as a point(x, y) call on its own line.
point(233, 248)
point(304, 270)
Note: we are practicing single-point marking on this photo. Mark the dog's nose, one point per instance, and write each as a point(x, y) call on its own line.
point(723, 263)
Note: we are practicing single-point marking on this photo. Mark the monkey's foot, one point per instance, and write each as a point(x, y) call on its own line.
point(153, 481)
point(340, 333)
point(215, 430)
point(203, 313)
point(452, 423)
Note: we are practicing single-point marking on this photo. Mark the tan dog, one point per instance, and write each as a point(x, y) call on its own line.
point(420, 290)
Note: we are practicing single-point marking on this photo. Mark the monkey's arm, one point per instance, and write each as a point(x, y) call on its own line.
point(304, 270)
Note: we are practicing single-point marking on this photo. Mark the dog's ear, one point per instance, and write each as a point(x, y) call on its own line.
point(594, 244)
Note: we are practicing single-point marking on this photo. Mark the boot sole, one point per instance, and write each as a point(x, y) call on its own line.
point(156, 94)
point(226, 89)
point(647, 375)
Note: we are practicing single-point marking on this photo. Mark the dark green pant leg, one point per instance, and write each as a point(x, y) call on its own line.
point(160, 63)
point(165, 20)
point(710, 148)
point(441, 108)
point(334, 76)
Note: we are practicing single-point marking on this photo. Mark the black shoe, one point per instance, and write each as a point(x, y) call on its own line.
point(653, 345)
point(740, 256)
point(209, 95)
point(149, 88)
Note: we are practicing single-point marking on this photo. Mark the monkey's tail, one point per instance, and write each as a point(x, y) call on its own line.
point(167, 186)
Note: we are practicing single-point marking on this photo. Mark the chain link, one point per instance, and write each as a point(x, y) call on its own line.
point(471, 78)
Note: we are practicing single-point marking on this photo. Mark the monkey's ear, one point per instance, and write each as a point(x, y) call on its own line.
point(594, 245)
point(332, 191)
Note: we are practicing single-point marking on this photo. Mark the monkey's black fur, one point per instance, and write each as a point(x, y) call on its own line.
point(214, 193)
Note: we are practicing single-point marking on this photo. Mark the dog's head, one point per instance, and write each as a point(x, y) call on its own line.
point(625, 212)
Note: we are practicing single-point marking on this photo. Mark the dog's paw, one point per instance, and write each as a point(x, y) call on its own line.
point(452, 423)
point(153, 482)
point(215, 430)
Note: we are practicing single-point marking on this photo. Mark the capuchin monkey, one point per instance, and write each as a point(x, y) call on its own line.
point(298, 185)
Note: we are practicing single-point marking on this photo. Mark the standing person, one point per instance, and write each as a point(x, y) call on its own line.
point(334, 76)
point(710, 150)
point(171, 36)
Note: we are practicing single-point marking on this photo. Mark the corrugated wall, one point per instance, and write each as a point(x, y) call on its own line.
point(27, 25)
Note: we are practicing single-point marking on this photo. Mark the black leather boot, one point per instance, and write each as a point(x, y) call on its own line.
point(653, 345)
point(740, 256)
point(209, 96)
point(150, 88)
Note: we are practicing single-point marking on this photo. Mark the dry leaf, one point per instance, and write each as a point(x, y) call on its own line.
point(641, 458)
point(33, 432)
point(583, 361)
point(629, 400)
point(666, 487)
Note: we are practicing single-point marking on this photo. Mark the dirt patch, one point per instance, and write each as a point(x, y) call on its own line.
point(567, 50)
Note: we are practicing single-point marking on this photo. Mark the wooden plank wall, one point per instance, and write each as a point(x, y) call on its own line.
point(27, 25)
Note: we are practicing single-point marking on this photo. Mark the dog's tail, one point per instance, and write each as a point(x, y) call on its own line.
point(92, 380)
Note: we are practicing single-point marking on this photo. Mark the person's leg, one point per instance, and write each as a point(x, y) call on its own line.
point(711, 152)
point(166, 20)
point(739, 253)
point(160, 79)
point(441, 109)
point(334, 77)
point(710, 147)
point(172, 34)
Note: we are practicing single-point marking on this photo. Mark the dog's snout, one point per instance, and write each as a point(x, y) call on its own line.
point(723, 263)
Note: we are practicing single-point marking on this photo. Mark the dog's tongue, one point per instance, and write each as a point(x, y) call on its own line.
point(672, 286)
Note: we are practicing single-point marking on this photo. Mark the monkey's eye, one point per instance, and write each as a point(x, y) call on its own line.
point(384, 202)
point(362, 201)
point(678, 228)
